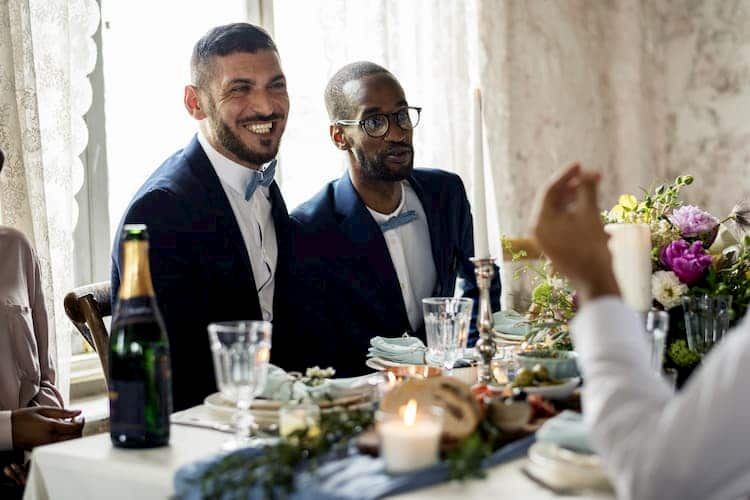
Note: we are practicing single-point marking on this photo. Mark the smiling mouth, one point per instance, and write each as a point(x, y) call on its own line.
point(259, 128)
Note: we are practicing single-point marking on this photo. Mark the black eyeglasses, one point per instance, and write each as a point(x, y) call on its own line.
point(377, 125)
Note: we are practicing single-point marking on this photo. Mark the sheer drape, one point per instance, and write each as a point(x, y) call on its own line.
point(46, 53)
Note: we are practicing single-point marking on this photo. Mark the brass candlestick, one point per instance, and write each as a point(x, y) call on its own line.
point(485, 270)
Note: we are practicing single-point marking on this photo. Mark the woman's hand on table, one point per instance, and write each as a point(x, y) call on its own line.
point(38, 425)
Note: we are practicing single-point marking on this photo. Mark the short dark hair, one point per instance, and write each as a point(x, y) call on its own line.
point(225, 40)
point(337, 103)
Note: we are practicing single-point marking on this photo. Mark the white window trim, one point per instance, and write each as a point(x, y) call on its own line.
point(92, 235)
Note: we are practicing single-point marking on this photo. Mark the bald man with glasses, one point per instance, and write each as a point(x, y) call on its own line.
point(372, 244)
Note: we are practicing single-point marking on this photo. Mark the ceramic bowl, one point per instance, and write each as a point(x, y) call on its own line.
point(563, 365)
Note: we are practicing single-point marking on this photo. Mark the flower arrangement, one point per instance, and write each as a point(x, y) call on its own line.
point(553, 304)
point(693, 252)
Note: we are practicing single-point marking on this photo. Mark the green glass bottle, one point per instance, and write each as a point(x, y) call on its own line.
point(140, 392)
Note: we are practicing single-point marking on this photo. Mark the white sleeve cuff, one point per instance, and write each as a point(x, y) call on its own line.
point(6, 431)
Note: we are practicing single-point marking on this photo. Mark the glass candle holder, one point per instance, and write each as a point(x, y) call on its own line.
point(296, 416)
point(410, 438)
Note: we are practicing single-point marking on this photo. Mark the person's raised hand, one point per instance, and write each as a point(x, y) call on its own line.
point(568, 228)
point(38, 425)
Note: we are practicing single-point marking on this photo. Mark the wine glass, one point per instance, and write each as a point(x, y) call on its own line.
point(241, 350)
point(446, 321)
point(657, 328)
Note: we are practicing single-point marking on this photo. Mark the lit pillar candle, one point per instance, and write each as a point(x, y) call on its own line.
point(630, 246)
point(410, 439)
point(479, 209)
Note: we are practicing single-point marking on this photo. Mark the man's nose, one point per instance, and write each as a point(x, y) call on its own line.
point(395, 132)
point(261, 103)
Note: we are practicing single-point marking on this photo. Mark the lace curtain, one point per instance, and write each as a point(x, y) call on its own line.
point(46, 53)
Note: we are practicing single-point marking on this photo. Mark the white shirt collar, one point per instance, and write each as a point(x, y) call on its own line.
point(384, 217)
point(230, 172)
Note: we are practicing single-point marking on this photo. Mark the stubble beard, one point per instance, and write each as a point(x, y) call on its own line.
point(375, 168)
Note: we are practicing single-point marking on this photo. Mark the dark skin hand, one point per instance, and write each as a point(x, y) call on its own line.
point(38, 425)
point(569, 230)
point(17, 473)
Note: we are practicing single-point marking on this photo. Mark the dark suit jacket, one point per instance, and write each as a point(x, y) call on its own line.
point(344, 272)
point(199, 265)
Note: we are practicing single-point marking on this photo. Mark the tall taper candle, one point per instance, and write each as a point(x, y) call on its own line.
point(630, 246)
point(479, 209)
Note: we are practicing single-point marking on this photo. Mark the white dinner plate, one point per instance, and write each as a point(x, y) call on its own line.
point(557, 391)
point(567, 469)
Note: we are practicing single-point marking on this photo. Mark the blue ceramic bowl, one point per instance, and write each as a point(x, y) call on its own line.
point(562, 365)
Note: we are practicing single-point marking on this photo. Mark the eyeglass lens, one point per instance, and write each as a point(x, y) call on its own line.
point(377, 125)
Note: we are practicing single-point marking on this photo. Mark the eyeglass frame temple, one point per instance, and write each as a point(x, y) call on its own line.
point(387, 115)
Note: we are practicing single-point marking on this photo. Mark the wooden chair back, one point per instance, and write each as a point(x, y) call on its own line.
point(87, 306)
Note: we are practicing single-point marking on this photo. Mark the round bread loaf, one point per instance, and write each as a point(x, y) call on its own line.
point(461, 412)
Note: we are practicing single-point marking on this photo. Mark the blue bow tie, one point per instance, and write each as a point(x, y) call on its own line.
point(264, 178)
point(398, 220)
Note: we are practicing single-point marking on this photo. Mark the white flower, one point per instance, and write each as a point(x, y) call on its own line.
point(667, 289)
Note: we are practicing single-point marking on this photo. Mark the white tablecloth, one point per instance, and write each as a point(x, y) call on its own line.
point(91, 468)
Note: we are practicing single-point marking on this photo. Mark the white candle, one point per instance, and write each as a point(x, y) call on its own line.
point(409, 441)
point(630, 246)
point(479, 209)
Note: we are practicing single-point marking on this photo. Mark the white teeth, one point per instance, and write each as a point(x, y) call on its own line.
point(259, 128)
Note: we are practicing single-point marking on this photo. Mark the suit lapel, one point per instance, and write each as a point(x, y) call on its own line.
point(432, 209)
point(281, 223)
point(220, 210)
point(366, 238)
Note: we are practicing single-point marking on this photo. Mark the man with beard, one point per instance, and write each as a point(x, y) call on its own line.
point(372, 244)
point(218, 226)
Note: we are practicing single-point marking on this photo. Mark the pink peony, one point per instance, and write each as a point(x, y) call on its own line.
point(692, 221)
point(688, 262)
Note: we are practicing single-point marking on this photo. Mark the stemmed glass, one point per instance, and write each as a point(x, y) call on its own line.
point(241, 350)
point(446, 321)
point(657, 327)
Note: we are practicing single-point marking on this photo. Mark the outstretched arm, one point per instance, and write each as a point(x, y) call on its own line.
point(654, 444)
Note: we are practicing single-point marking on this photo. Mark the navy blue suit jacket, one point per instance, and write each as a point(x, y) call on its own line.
point(200, 267)
point(344, 273)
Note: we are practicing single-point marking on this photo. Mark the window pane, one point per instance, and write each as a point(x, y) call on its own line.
point(146, 53)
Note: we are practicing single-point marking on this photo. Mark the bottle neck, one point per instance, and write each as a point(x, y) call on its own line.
point(136, 277)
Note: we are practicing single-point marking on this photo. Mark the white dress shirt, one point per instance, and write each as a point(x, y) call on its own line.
point(255, 221)
point(656, 444)
point(411, 252)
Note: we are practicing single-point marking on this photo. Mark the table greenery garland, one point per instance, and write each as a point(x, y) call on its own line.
point(274, 469)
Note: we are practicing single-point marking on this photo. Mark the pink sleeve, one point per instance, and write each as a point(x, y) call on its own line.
point(48, 394)
point(6, 431)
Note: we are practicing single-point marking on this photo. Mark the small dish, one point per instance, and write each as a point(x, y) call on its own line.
point(557, 391)
point(559, 364)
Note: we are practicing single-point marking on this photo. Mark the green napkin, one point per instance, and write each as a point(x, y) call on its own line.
point(566, 430)
point(281, 386)
point(510, 323)
point(407, 350)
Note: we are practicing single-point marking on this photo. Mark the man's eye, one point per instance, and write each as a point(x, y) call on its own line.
point(278, 86)
point(374, 122)
point(240, 89)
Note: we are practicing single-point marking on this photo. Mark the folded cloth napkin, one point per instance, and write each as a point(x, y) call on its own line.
point(352, 477)
point(281, 386)
point(407, 350)
point(566, 430)
point(510, 322)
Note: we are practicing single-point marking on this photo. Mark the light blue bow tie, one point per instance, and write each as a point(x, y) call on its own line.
point(264, 178)
point(398, 220)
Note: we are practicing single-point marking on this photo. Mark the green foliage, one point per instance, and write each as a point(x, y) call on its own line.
point(465, 460)
point(681, 355)
point(274, 469)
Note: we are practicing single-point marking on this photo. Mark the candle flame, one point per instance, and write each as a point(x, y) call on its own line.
point(410, 413)
point(262, 355)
